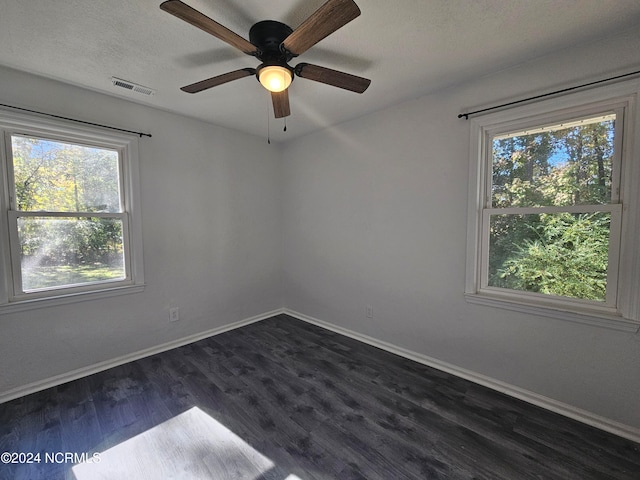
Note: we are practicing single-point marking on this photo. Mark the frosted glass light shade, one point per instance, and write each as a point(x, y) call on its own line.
point(275, 78)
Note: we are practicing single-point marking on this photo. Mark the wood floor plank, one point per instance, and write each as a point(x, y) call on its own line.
point(268, 418)
point(282, 398)
point(392, 428)
point(502, 406)
point(80, 428)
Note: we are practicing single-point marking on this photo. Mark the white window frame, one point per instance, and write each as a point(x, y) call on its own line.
point(12, 299)
point(621, 310)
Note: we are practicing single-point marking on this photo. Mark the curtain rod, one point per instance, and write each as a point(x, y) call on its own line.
point(77, 121)
point(466, 115)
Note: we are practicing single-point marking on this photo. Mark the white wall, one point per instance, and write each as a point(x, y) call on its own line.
point(211, 231)
point(375, 212)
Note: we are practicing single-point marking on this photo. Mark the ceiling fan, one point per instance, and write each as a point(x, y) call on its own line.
point(275, 44)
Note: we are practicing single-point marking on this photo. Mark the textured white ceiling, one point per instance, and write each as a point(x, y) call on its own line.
point(408, 48)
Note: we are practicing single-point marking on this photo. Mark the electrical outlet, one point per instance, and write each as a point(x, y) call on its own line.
point(369, 311)
point(174, 314)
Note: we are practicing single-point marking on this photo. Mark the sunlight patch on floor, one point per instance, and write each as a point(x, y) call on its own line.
point(191, 445)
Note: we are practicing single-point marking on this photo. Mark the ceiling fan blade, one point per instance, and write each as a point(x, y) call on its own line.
point(281, 103)
point(200, 20)
point(332, 77)
point(219, 80)
point(323, 22)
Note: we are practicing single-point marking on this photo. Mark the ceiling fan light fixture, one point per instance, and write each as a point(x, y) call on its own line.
point(275, 44)
point(275, 78)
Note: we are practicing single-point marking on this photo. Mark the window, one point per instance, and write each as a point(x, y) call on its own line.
point(71, 221)
point(552, 211)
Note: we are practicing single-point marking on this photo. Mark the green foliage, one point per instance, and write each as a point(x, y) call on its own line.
point(568, 259)
point(69, 240)
point(55, 276)
point(569, 166)
point(556, 254)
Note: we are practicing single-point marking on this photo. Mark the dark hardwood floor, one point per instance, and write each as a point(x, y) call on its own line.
point(284, 400)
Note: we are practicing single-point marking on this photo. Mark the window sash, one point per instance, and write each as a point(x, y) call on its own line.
point(16, 266)
point(615, 231)
point(62, 139)
point(619, 110)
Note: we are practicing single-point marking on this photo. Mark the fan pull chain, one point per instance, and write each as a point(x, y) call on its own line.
point(285, 124)
point(268, 129)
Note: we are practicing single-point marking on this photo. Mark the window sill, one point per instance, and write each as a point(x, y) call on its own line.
point(35, 303)
point(604, 320)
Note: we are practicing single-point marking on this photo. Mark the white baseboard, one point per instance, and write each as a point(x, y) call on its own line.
point(101, 366)
point(547, 403)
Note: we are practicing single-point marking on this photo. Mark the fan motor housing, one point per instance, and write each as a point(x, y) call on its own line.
point(267, 36)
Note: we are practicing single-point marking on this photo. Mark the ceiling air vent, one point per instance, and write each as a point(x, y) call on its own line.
point(134, 87)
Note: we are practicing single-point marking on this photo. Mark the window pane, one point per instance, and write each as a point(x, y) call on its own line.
point(64, 251)
point(559, 254)
point(62, 177)
point(560, 165)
